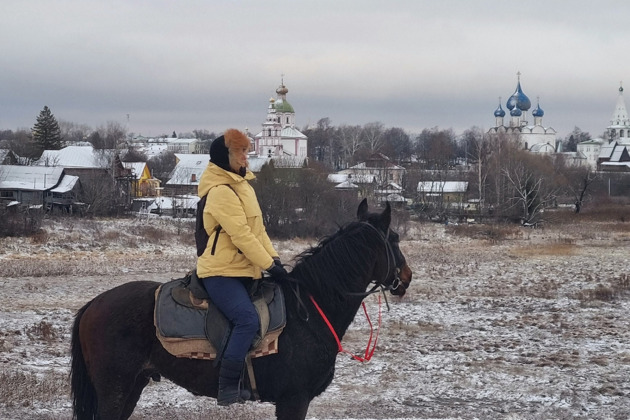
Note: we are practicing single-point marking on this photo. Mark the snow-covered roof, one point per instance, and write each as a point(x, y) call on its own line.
point(3, 154)
point(175, 140)
point(386, 165)
point(292, 132)
point(607, 150)
point(77, 157)
point(616, 164)
point(359, 179)
point(617, 153)
point(152, 150)
point(346, 185)
point(137, 168)
point(33, 178)
point(286, 132)
point(188, 169)
point(442, 186)
point(67, 184)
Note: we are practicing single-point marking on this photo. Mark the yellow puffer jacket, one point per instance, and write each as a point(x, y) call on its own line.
point(243, 248)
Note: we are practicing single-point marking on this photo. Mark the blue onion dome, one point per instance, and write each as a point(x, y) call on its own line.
point(519, 100)
point(516, 112)
point(538, 112)
point(499, 112)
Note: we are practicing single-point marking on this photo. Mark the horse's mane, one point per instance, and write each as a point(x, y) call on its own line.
point(329, 269)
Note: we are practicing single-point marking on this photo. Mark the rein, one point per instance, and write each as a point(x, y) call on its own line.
point(369, 352)
point(378, 287)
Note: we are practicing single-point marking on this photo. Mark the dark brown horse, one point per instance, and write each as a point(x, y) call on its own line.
point(115, 351)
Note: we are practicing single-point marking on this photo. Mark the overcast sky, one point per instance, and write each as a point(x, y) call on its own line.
point(415, 64)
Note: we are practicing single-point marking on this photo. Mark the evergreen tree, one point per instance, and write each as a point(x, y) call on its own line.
point(46, 131)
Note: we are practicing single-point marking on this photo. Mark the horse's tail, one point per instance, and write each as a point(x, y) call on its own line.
point(84, 401)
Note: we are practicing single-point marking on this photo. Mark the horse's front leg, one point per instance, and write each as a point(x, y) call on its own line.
point(292, 407)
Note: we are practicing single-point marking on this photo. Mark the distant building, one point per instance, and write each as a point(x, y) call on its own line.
point(591, 149)
point(611, 154)
point(185, 176)
point(535, 137)
point(378, 176)
point(176, 145)
point(38, 187)
point(143, 184)
point(279, 138)
point(449, 192)
point(377, 169)
point(619, 128)
point(7, 157)
point(84, 161)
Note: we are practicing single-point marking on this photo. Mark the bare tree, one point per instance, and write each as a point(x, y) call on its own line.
point(576, 181)
point(349, 138)
point(532, 181)
point(478, 151)
point(23, 145)
point(436, 148)
point(162, 166)
point(74, 133)
point(372, 135)
point(108, 137)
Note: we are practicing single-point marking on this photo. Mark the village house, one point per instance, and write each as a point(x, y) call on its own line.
point(143, 184)
point(7, 157)
point(451, 194)
point(38, 187)
point(185, 176)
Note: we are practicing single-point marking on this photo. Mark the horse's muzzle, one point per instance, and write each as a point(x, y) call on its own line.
point(402, 281)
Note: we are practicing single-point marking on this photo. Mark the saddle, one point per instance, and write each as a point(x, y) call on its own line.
point(189, 325)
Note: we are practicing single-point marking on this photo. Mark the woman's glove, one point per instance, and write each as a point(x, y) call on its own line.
point(277, 271)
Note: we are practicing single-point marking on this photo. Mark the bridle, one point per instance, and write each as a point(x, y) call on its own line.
point(379, 286)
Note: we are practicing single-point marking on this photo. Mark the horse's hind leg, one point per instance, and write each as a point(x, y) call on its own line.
point(132, 400)
point(292, 407)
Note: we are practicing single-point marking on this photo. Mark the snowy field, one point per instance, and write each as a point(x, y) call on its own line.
point(533, 325)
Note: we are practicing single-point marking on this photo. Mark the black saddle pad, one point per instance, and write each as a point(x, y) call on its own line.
point(180, 314)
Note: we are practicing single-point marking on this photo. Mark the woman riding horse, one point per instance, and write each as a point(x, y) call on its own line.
point(115, 350)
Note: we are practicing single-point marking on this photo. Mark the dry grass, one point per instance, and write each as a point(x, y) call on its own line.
point(43, 331)
point(553, 249)
point(617, 288)
point(70, 247)
point(22, 389)
point(494, 233)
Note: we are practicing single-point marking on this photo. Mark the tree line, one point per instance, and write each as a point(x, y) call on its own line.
point(505, 179)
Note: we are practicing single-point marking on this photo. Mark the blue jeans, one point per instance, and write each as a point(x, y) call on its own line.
point(232, 299)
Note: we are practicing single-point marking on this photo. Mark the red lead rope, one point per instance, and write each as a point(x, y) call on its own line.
point(368, 352)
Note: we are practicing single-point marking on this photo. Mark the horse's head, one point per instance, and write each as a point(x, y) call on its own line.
point(397, 274)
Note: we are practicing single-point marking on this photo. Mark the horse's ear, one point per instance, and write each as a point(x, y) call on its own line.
point(362, 211)
point(386, 217)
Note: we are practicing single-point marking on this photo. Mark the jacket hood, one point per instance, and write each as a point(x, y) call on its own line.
point(214, 175)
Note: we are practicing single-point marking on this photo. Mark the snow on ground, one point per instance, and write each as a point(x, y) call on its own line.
point(530, 327)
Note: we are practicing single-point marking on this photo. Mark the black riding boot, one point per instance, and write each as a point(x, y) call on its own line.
point(230, 383)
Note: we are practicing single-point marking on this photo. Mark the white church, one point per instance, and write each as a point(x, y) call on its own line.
point(535, 137)
point(612, 153)
point(279, 139)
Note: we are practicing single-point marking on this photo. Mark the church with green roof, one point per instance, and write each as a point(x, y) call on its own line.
point(279, 138)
